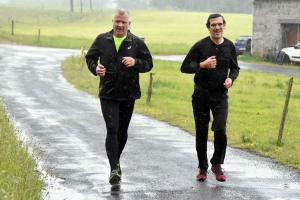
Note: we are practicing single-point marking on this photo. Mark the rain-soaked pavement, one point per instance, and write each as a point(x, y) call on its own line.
point(67, 132)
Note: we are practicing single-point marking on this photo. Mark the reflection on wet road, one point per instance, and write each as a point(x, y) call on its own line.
point(159, 161)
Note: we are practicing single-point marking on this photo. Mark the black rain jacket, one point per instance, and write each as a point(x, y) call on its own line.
point(120, 82)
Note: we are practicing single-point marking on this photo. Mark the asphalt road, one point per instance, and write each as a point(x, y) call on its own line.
point(67, 132)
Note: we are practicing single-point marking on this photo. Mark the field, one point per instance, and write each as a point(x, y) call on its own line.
point(165, 32)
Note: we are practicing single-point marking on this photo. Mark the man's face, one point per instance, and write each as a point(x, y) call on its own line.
point(121, 24)
point(216, 28)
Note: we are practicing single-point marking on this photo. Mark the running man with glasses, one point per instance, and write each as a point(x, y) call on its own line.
point(213, 60)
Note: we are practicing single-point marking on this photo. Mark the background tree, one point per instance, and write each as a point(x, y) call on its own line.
point(91, 6)
point(71, 5)
point(81, 6)
point(221, 6)
point(132, 4)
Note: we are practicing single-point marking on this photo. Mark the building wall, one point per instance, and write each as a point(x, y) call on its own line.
point(269, 19)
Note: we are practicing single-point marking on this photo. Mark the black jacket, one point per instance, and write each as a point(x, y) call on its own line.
point(120, 82)
point(211, 79)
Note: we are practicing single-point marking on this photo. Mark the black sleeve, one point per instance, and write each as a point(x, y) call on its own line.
point(191, 62)
point(92, 56)
point(143, 60)
point(234, 68)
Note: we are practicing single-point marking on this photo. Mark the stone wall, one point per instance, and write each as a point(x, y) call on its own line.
point(269, 17)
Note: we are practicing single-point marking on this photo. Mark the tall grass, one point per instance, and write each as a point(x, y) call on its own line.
point(256, 104)
point(19, 178)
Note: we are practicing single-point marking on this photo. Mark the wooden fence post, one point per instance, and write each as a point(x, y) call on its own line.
point(83, 60)
point(39, 36)
point(81, 52)
point(150, 88)
point(12, 27)
point(285, 111)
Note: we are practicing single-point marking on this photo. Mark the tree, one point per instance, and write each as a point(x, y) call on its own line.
point(132, 4)
point(159, 4)
point(222, 6)
point(91, 6)
point(80, 6)
point(71, 5)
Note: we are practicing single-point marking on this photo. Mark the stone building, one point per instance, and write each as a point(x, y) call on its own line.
point(276, 24)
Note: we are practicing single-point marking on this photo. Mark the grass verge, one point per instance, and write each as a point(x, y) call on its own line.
point(19, 178)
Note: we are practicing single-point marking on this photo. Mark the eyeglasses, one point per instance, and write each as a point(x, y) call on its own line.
point(215, 25)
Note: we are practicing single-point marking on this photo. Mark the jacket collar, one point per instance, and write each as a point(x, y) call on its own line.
point(128, 38)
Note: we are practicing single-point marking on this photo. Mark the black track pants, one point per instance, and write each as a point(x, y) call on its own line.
point(203, 103)
point(117, 116)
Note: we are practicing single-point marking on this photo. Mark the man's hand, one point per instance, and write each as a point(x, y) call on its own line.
point(128, 61)
point(228, 83)
point(209, 63)
point(100, 70)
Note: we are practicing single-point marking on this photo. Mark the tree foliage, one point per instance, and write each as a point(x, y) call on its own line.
point(223, 6)
point(129, 4)
point(64, 3)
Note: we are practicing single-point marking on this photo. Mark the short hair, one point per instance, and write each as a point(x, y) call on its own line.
point(122, 12)
point(212, 16)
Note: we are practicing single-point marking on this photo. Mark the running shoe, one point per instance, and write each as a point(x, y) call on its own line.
point(115, 177)
point(202, 175)
point(119, 169)
point(219, 172)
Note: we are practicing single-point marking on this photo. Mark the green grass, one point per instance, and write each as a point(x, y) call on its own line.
point(165, 32)
point(259, 60)
point(19, 178)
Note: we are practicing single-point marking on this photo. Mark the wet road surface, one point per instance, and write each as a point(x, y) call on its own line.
point(66, 129)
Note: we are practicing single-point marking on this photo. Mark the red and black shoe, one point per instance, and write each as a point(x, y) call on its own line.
point(219, 172)
point(202, 175)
